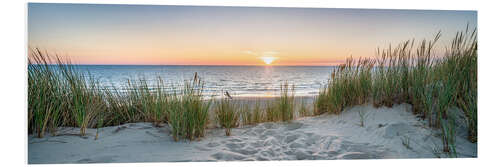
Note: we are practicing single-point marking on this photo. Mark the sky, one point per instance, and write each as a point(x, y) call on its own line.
point(202, 35)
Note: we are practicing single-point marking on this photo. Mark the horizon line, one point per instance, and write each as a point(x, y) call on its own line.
point(190, 65)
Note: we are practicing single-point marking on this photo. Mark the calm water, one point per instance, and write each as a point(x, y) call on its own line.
point(238, 80)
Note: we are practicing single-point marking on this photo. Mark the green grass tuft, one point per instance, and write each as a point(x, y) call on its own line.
point(227, 114)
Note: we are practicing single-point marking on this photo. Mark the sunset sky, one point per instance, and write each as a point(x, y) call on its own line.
point(194, 35)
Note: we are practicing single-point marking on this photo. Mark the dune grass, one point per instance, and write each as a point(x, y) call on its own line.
point(350, 84)
point(404, 74)
point(151, 102)
point(283, 107)
point(227, 114)
point(44, 94)
point(58, 95)
point(391, 76)
point(257, 114)
point(448, 135)
point(253, 113)
point(468, 103)
point(304, 110)
point(286, 106)
point(246, 114)
point(362, 118)
point(271, 112)
point(188, 114)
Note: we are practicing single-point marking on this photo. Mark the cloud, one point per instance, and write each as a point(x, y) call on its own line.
point(261, 54)
point(248, 52)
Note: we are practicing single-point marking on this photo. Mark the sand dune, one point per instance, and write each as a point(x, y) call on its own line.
point(321, 137)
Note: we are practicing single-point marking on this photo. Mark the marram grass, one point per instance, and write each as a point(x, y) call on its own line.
point(227, 114)
point(60, 95)
point(414, 75)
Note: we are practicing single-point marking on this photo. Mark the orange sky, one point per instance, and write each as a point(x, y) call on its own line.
point(189, 35)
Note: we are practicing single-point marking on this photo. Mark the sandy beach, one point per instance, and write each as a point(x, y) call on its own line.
point(326, 136)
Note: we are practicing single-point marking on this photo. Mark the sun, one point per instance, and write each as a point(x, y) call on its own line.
point(268, 60)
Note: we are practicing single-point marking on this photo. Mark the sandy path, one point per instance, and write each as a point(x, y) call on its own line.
point(321, 137)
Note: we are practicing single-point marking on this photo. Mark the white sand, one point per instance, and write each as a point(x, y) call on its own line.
point(321, 137)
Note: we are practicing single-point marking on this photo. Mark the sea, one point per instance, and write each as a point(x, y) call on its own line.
point(244, 81)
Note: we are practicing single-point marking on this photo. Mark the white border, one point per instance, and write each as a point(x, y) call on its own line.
point(13, 82)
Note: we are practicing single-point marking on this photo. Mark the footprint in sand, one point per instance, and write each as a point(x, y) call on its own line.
point(235, 145)
point(212, 144)
point(294, 126)
point(151, 134)
point(257, 144)
point(271, 141)
point(291, 138)
point(397, 129)
point(103, 159)
point(202, 148)
point(354, 155)
point(295, 145)
point(270, 125)
point(228, 156)
point(300, 154)
point(259, 130)
point(245, 151)
point(235, 140)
